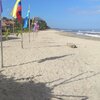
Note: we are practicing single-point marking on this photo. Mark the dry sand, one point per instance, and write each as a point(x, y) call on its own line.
point(47, 69)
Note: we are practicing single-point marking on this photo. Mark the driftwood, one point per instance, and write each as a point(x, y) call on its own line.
point(72, 45)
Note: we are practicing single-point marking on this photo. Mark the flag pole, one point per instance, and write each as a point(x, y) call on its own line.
point(1, 42)
point(29, 29)
point(29, 24)
point(33, 28)
point(21, 35)
point(13, 26)
point(21, 29)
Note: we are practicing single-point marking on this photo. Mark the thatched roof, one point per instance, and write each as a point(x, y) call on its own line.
point(7, 23)
point(4, 24)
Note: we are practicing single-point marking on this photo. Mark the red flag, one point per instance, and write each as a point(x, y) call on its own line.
point(19, 12)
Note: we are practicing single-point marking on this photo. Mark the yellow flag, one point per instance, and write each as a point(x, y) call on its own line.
point(13, 13)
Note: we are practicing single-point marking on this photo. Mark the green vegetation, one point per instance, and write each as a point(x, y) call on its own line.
point(17, 29)
point(6, 33)
point(42, 25)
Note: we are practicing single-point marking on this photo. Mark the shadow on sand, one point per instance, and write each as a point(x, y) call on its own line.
point(11, 89)
point(53, 58)
point(42, 60)
point(79, 77)
point(9, 38)
point(51, 46)
point(27, 89)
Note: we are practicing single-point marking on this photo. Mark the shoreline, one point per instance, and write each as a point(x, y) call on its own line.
point(73, 34)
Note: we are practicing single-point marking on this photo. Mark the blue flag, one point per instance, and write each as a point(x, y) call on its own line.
point(26, 20)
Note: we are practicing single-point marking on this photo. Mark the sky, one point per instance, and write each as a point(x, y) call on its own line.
point(65, 14)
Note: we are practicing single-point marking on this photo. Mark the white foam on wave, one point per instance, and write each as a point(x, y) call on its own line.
point(80, 33)
point(89, 34)
point(98, 36)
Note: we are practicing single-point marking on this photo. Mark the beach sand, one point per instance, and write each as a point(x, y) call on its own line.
point(47, 69)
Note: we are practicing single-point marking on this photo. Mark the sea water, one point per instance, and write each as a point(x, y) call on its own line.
point(85, 32)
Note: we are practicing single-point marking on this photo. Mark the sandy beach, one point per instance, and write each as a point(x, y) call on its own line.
point(48, 69)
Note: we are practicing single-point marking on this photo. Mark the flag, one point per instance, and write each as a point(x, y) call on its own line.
point(13, 13)
point(1, 7)
point(26, 19)
point(17, 11)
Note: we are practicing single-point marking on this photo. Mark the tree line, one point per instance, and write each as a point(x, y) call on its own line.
point(11, 26)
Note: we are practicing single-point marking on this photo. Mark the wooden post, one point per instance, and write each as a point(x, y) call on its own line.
point(33, 28)
point(21, 35)
point(13, 26)
point(29, 23)
point(29, 28)
point(1, 41)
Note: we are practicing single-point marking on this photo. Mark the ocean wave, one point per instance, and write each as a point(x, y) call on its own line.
point(93, 35)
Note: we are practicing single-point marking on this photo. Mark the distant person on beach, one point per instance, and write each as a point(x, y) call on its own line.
point(36, 26)
point(35, 29)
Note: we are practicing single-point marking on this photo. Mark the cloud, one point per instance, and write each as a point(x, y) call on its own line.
point(88, 11)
